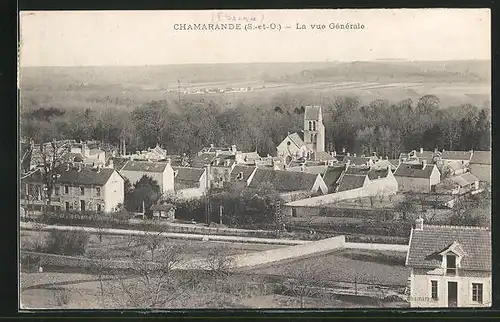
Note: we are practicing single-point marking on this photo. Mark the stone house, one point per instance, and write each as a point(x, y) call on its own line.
point(420, 177)
point(161, 172)
point(190, 182)
point(78, 188)
point(480, 165)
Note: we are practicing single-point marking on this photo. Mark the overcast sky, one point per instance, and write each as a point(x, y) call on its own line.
point(148, 37)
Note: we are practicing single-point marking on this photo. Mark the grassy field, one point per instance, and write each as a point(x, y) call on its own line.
point(377, 267)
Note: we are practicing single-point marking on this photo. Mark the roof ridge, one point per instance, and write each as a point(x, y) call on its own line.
point(460, 227)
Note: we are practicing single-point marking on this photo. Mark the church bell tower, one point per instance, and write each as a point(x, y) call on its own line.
point(314, 129)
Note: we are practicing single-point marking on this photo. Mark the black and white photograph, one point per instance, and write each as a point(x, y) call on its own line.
point(254, 159)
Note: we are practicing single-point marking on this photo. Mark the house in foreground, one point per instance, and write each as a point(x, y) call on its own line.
point(450, 266)
point(78, 188)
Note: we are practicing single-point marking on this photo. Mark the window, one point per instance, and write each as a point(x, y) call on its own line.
point(82, 191)
point(98, 191)
point(314, 126)
point(66, 190)
point(310, 126)
point(99, 207)
point(451, 264)
point(56, 191)
point(477, 292)
point(434, 290)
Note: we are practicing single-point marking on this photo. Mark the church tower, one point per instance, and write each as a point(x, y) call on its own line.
point(314, 130)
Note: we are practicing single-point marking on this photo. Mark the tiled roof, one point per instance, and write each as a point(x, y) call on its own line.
point(73, 157)
point(323, 156)
point(250, 156)
point(425, 154)
point(86, 176)
point(188, 174)
point(456, 155)
point(351, 181)
point(356, 160)
point(284, 181)
point(295, 138)
point(312, 112)
point(162, 207)
point(202, 160)
point(384, 164)
point(481, 157)
point(245, 171)
point(118, 163)
point(332, 174)
point(463, 179)
point(426, 244)
point(144, 166)
point(414, 170)
point(314, 169)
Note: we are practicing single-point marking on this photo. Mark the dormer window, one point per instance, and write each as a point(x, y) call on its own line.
point(451, 264)
point(239, 176)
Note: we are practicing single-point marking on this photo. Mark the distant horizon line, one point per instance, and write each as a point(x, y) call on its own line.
point(274, 62)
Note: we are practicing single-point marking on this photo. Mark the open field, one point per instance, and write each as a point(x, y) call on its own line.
point(349, 265)
point(127, 87)
point(121, 247)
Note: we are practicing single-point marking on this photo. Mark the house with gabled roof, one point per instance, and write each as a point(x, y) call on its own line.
point(242, 174)
point(480, 165)
point(288, 182)
point(78, 188)
point(421, 177)
point(463, 157)
point(190, 182)
point(331, 177)
point(292, 147)
point(450, 266)
point(161, 172)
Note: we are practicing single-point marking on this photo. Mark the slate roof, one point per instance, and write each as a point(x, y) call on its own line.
point(284, 181)
point(426, 244)
point(414, 170)
point(188, 174)
point(250, 156)
point(481, 157)
point(312, 112)
point(295, 138)
point(246, 172)
point(384, 164)
point(351, 181)
point(144, 166)
point(202, 160)
point(73, 177)
point(332, 174)
point(456, 155)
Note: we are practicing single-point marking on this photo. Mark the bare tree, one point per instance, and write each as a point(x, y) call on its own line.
point(304, 282)
point(220, 261)
point(152, 239)
point(99, 265)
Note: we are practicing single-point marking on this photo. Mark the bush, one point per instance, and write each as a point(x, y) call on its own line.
point(61, 297)
point(67, 242)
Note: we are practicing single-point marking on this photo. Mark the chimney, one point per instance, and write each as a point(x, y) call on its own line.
point(211, 146)
point(424, 164)
point(354, 154)
point(348, 154)
point(169, 161)
point(421, 150)
point(79, 168)
point(386, 157)
point(419, 223)
point(85, 150)
point(67, 166)
point(110, 164)
point(343, 150)
point(99, 168)
point(233, 148)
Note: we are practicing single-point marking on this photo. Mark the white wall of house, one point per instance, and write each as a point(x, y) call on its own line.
point(164, 179)
point(420, 285)
point(284, 150)
point(114, 192)
point(407, 184)
point(320, 185)
point(383, 186)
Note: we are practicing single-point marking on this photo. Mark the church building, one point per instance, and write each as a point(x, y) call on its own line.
point(310, 140)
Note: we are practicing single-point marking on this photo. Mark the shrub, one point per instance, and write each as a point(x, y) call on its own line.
point(61, 297)
point(67, 242)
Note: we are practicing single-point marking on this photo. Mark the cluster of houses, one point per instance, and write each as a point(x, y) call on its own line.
point(449, 266)
point(303, 173)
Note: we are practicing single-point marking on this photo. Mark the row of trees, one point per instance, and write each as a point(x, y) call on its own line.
point(387, 128)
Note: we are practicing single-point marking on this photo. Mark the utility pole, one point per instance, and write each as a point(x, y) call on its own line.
point(220, 214)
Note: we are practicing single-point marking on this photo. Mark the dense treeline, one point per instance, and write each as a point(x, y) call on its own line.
point(387, 128)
